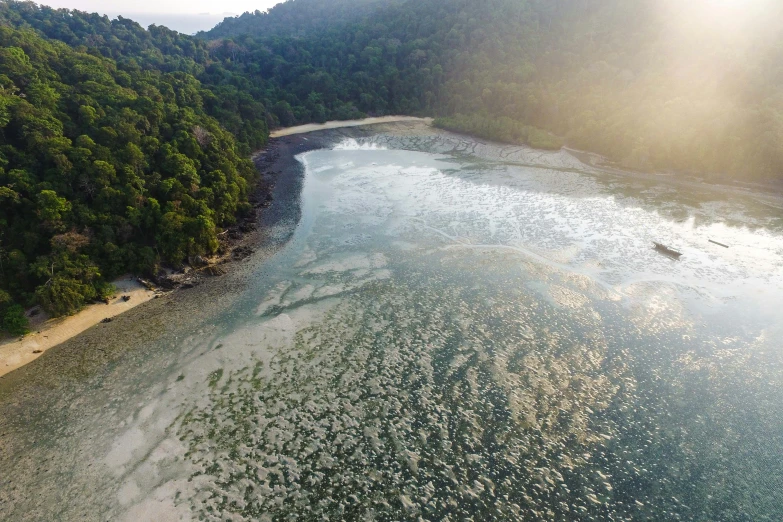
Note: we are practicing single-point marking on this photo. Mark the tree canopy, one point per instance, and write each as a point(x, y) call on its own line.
point(105, 167)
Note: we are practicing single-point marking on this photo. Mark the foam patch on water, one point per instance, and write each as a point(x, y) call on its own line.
point(352, 144)
point(584, 235)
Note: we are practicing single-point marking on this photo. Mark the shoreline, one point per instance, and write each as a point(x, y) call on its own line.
point(606, 166)
point(47, 333)
point(83, 339)
point(768, 194)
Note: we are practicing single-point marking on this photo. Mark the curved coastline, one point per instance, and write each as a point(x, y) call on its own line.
point(48, 333)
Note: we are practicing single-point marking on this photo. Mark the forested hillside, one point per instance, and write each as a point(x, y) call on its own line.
point(235, 103)
point(122, 148)
point(297, 18)
point(104, 168)
point(653, 84)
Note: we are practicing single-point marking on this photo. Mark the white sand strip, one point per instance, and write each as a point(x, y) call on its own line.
point(15, 353)
point(301, 129)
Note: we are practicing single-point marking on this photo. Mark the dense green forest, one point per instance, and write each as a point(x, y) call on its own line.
point(122, 147)
point(105, 167)
point(298, 18)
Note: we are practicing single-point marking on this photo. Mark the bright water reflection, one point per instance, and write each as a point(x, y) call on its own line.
point(455, 338)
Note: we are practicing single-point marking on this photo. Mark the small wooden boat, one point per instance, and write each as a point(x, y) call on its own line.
point(663, 249)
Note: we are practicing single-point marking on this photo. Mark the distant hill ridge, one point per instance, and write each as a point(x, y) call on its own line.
point(653, 84)
point(297, 18)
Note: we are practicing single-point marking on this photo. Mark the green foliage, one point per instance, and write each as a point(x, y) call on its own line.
point(100, 160)
point(541, 139)
point(5, 298)
point(104, 290)
point(51, 207)
point(14, 320)
point(64, 295)
point(300, 18)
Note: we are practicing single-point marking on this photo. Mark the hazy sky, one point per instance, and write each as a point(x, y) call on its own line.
point(163, 6)
point(180, 15)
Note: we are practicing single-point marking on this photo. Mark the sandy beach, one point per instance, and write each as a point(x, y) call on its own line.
point(47, 333)
point(301, 129)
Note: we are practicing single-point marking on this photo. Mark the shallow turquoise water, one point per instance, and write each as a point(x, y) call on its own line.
point(457, 337)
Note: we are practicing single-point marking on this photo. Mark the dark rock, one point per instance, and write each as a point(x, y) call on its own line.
point(168, 282)
point(107, 320)
point(247, 227)
point(214, 270)
point(37, 351)
point(197, 262)
point(242, 252)
point(147, 284)
point(126, 298)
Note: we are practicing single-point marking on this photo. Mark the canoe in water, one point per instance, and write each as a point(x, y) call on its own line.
point(663, 249)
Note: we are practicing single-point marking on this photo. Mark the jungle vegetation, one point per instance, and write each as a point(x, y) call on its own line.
point(105, 167)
